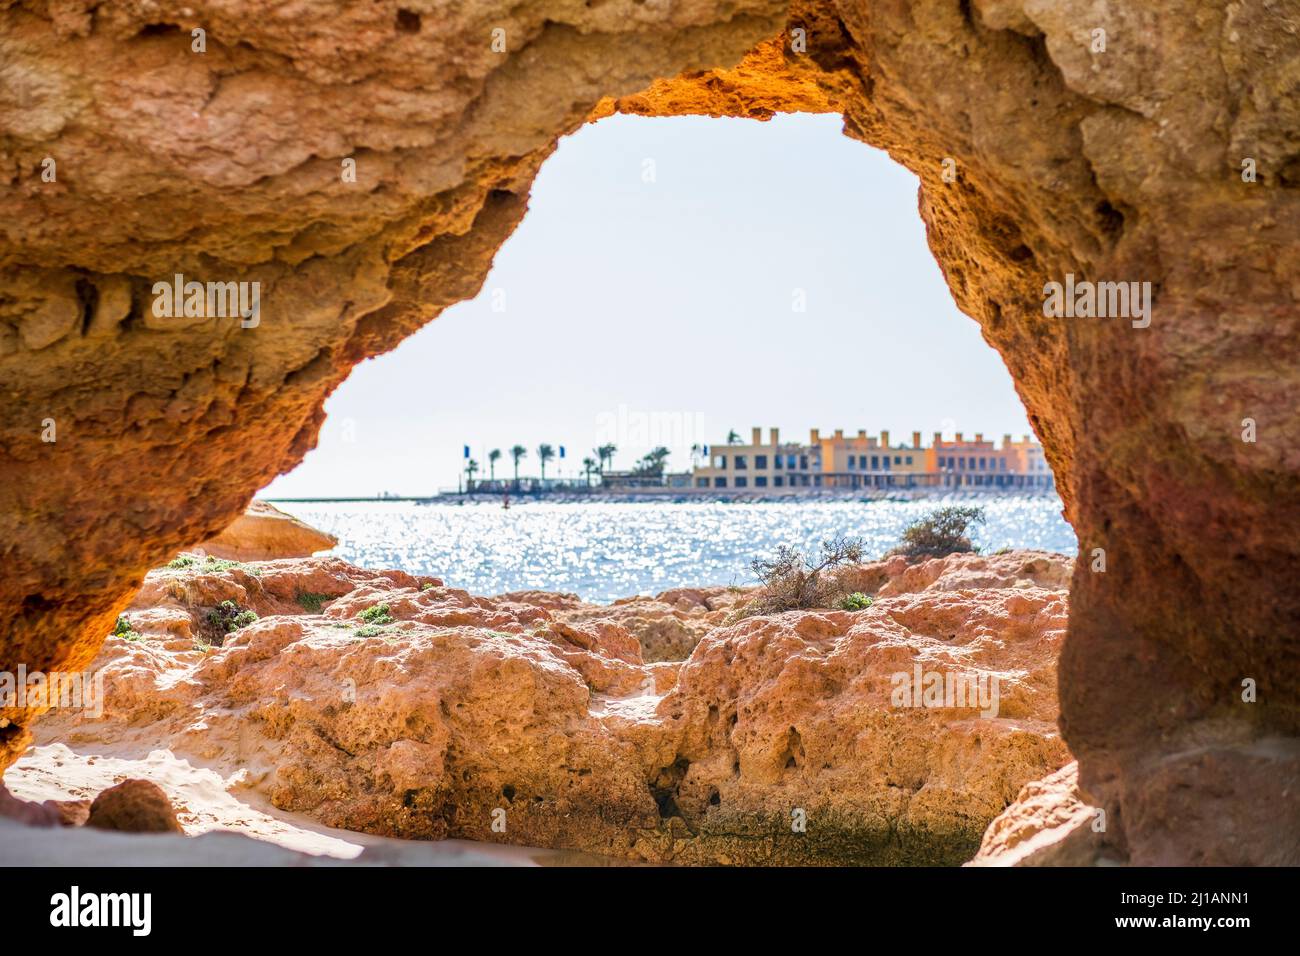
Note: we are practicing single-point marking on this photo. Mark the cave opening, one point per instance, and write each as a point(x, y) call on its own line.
point(676, 282)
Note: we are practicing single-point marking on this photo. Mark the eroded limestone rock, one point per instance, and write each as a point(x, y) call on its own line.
point(134, 806)
point(404, 708)
point(1039, 154)
point(264, 533)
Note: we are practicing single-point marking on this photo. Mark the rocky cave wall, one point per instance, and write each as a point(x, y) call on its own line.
point(1122, 164)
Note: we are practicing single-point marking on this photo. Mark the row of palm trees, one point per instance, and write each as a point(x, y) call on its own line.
point(604, 455)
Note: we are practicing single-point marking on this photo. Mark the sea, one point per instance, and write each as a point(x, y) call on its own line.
point(606, 550)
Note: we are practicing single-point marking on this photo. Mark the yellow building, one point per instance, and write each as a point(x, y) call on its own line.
point(862, 461)
point(866, 462)
point(759, 466)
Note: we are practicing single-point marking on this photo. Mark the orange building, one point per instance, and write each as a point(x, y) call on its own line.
point(864, 461)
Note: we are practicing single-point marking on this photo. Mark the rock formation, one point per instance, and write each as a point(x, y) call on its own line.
point(134, 806)
point(362, 163)
point(668, 625)
point(1049, 824)
point(264, 533)
point(389, 704)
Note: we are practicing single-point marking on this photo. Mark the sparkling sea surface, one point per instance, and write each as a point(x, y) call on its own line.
point(607, 550)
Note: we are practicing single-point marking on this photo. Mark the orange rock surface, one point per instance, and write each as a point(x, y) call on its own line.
point(778, 740)
point(264, 533)
point(1167, 157)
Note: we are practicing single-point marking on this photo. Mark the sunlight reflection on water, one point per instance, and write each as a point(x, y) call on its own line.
point(602, 551)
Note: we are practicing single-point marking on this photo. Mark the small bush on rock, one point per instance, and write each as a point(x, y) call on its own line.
point(311, 602)
point(791, 582)
point(124, 630)
point(229, 616)
point(940, 533)
point(379, 614)
point(857, 601)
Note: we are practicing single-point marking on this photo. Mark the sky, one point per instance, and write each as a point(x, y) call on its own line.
point(674, 280)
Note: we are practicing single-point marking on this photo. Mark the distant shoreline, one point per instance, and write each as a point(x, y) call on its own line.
point(679, 496)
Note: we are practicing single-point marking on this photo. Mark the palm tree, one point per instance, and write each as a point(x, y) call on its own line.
point(493, 455)
point(651, 465)
point(606, 452)
point(518, 452)
point(733, 438)
point(588, 466)
point(545, 453)
point(471, 466)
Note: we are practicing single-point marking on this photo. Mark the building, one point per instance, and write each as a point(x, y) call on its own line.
point(759, 466)
point(1031, 463)
point(977, 463)
point(863, 461)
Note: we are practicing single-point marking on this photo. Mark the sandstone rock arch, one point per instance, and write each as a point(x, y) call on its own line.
point(1120, 164)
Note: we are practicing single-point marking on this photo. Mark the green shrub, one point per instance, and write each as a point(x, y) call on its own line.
point(229, 616)
point(426, 586)
point(857, 601)
point(213, 564)
point(379, 614)
point(939, 533)
point(124, 630)
point(210, 564)
point(311, 602)
point(368, 630)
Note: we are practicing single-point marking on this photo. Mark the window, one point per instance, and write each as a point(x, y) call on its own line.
point(909, 459)
point(701, 482)
point(719, 461)
point(803, 462)
point(875, 462)
point(742, 482)
point(760, 481)
point(972, 463)
point(853, 461)
point(741, 461)
point(760, 461)
point(779, 480)
point(776, 461)
point(898, 459)
point(886, 463)
point(719, 482)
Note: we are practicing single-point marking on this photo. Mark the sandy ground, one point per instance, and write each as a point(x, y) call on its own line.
point(206, 802)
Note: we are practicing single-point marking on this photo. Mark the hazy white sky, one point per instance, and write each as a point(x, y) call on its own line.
point(654, 302)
